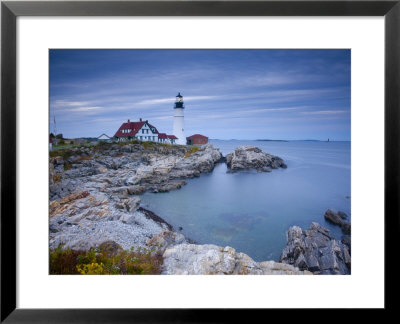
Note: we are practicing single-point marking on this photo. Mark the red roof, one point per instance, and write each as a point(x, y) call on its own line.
point(172, 137)
point(162, 135)
point(134, 127)
point(196, 136)
point(151, 126)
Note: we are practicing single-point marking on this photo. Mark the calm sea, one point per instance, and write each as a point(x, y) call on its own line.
point(251, 211)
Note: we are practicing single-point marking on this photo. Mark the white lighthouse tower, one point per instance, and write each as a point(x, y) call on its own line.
point(178, 120)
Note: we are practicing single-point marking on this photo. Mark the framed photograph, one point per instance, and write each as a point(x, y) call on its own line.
point(197, 151)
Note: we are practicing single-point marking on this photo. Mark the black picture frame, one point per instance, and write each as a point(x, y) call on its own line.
point(10, 10)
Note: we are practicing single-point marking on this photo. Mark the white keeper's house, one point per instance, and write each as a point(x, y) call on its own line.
point(142, 131)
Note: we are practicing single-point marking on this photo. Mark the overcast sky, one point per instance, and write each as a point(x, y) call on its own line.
point(228, 94)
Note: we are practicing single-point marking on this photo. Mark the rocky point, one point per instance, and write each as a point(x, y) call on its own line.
point(251, 157)
point(316, 250)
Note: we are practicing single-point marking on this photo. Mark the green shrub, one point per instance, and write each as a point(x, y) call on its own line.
point(191, 150)
point(60, 152)
point(63, 261)
point(102, 260)
point(67, 166)
point(148, 145)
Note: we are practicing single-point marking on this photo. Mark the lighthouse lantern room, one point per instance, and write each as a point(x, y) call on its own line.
point(178, 130)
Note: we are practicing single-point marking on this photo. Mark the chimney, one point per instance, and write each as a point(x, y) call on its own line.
point(140, 119)
point(129, 121)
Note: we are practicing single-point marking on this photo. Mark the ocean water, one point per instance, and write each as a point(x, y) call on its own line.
point(252, 211)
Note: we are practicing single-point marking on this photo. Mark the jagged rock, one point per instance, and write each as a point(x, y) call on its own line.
point(132, 203)
point(136, 190)
point(57, 160)
point(131, 169)
point(76, 207)
point(128, 204)
point(338, 219)
point(333, 217)
point(316, 250)
point(346, 239)
point(166, 187)
point(211, 259)
point(165, 239)
point(346, 228)
point(55, 205)
point(251, 157)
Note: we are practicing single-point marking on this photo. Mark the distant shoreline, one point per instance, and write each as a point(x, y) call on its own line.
point(279, 140)
point(270, 140)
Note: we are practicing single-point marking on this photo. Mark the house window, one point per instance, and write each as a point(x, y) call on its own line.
point(142, 131)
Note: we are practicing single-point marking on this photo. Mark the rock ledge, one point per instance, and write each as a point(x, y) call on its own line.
point(316, 250)
point(251, 157)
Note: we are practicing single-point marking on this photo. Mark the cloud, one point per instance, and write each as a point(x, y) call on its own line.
point(325, 112)
point(171, 100)
point(221, 89)
point(81, 109)
point(66, 103)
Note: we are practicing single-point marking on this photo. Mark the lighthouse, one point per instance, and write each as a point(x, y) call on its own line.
point(178, 130)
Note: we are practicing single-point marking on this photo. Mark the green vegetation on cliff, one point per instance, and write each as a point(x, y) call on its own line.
point(107, 259)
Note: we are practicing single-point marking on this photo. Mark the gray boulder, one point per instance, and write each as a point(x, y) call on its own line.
point(338, 219)
point(251, 157)
point(316, 250)
point(208, 259)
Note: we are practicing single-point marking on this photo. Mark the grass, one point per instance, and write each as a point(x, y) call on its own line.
point(191, 150)
point(65, 150)
point(107, 259)
point(61, 152)
point(132, 141)
point(148, 145)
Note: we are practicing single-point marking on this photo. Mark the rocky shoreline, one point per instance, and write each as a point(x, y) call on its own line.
point(94, 191)
point(94, 199)
point(316, 250)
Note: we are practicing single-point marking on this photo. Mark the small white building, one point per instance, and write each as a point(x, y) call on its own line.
point(104, 138)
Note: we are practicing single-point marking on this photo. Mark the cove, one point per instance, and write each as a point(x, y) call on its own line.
point(252, 211)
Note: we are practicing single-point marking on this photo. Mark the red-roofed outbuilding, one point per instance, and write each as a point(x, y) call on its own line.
point(196, 139)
